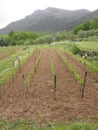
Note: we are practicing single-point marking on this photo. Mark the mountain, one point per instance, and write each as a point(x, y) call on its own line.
point(50, 20)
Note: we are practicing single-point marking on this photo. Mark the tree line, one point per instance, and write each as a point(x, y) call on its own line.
point(18, 38)
point(88, 25)
point(81, 31)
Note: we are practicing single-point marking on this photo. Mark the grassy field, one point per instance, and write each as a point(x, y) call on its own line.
point(88, 45)
point(8, 51)
point(30, 125)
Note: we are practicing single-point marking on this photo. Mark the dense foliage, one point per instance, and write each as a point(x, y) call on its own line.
point(89, 25)
point(19, 38)
point(3, 42)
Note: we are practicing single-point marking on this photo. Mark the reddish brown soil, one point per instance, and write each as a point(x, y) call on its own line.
point(92, 78)
point(39, 104)
point(81, 68)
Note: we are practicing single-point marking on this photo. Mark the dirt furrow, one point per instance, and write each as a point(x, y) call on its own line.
point(92, 78)
point(35, 105)
point(14, 91)
point(69, 95)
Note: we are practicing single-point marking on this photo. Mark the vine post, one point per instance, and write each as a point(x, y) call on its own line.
point(84, 82)
point(19, 63)
point(12, 71)
point(24, 86)
point(0, 87)
point(54, 87)
point(35, 67)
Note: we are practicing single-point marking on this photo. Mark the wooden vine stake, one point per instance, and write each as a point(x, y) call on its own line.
point(0, 91)
point(54, 87)
point(24, 86)
point(0, 87)
point(35, 67)
point(19, 63)
point(83, 88)
point(13, 76)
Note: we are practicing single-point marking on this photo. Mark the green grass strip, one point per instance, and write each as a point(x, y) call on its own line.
point(32, 72)
point(31, 125)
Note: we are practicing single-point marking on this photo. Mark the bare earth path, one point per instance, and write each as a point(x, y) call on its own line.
point(39, 105)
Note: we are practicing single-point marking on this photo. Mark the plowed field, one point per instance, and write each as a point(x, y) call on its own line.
point(39, 104)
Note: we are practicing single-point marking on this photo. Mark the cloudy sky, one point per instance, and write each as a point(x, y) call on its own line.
point(12, 10)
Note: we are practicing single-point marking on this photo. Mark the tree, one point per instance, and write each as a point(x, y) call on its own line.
point(82, 34)
point(77, 28)
point(3, 42)
point(11, 33)
point(94, 23)
point(48, 39)
point(86, 26)
point(58, 37)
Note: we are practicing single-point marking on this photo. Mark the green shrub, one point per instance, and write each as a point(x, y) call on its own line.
point(75, 49)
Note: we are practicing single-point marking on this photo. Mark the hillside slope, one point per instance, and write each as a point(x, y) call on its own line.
point(50, 20)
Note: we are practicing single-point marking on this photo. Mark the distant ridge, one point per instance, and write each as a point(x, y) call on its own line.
point(50, 20)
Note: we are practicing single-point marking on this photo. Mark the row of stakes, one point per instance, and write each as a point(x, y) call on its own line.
point(54, 90)
point(82, 88)
point(25, 89)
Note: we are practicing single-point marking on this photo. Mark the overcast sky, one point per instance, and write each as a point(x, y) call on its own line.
point(11, 10)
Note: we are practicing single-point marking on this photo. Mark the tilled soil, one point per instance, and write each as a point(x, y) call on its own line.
point(39, 105)
point(92, 78)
